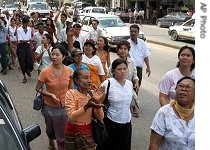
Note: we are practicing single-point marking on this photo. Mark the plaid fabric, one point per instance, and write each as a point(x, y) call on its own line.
point(79, 137)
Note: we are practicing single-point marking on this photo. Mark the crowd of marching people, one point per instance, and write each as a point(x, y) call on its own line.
point(75, 73)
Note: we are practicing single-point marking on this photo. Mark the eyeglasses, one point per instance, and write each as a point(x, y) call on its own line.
point(186, 87)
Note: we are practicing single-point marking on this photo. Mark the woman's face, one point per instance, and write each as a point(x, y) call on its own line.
point(186, 58)
point(78, 58)
point(185, 92)
point(100, 42)
point(84, 80)
point(57, 57)
point(48, 21)
point(44, 40)
point(123, 51)
point(13, 22)
point(120, 71)
point(88, 49)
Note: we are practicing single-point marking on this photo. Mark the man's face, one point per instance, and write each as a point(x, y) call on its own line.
point(94, 24)
point(63, 18)
point(134, 33)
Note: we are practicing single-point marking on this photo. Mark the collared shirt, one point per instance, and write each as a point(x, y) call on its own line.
point(178, 134)
point(3, 33)
point(62, 36)
point(37, 38)
point(22, 35)
point(12, 32)
point(94, 34)
point(139, 51)
point(81, 40)
point(59, 26)
point(132, 71)
point(119, 97)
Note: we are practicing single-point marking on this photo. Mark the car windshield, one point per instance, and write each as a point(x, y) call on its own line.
point(38, 7)
point(110, 22)
point(8, 139)
point(98, 10)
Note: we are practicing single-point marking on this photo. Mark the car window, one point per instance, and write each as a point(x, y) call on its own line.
point(98, 10)
point(6, 102)
point(190, 23)
point(38, 7)
point(86, 20)
point(110, 22)
point(8, 138)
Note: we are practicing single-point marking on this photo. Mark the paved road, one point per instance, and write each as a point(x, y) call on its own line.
point(23, 95)
point(160, 36)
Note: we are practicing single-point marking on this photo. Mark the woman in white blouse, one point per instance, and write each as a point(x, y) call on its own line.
point(118, 118)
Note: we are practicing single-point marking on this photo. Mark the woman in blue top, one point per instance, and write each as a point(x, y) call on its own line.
point(77, 56)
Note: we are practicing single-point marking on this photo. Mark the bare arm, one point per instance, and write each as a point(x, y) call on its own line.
point(148, 71)
point(57, 15)
point(155, 140)
point(163, 99)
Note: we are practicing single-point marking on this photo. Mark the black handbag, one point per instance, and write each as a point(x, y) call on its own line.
point(99, 131)
point(38, 101)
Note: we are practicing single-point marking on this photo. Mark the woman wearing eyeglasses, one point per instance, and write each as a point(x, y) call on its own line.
point(174, 124)
point(184, 67)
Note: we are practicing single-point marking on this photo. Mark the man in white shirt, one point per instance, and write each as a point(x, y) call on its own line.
point(94, 33)
point(77, 36)
point(139, 52)
point(63, 36)
point(38, 34)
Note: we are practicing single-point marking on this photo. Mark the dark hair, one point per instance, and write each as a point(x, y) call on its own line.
point(117, 62)
point(63, 14)
point(76, 74)
point(75, 19)
point(183, 78)
point(25, 19)
point(52, 23)
point(135, 26)
point(49, 37)
point(76, 25)
point(68, 28)
point(123, 42)
point(193, 53)
point(106, 42)
point(12, 19)
point(62, 49)
point(95, 21)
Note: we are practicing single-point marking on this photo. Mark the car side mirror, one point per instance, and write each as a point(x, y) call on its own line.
point(32, 132)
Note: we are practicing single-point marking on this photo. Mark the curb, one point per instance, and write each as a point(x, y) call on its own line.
point(163, 44)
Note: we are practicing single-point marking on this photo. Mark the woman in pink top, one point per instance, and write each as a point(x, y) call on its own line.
point(57, 79)
point(80, 105)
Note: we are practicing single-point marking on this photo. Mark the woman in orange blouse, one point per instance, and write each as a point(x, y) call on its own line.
point(80, 105)
point(57, 79)
point(103, 53)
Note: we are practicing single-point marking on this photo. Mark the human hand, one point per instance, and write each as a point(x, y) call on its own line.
point(148, 71)
point(54, 98)
point(99, 94)
point(136, 87)
point(92, 104)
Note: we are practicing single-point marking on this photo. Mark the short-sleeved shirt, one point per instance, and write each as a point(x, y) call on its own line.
point(139, 51)
point(75, 100)
point(95, 66)
point(168, 82)
point(45, 60)
point(177, 133)
point(22, 35)
point(120, 98)
point(56, 85)
point(37, 38)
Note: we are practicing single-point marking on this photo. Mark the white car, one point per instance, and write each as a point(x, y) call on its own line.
point(183, 31)
point(94, 10)
point(111, 25)
point(41, 7)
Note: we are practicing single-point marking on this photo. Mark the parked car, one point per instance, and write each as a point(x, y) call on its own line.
point(183, 31)
point(172, 18)
point(120, 12)
point(94, 10)
point(12, 135)
point(41, 7)
point(111, 25)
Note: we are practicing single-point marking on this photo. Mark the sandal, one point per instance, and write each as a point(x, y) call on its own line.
point(24, 81)
point(28, 74)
